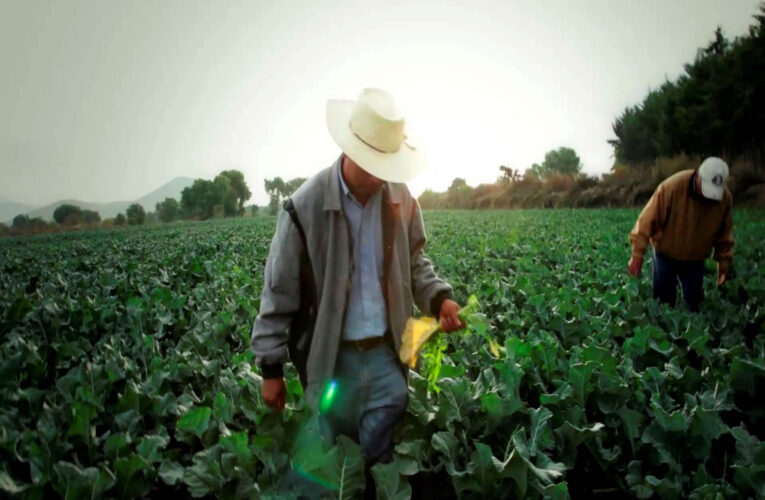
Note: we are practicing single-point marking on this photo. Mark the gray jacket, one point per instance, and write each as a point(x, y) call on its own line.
point(407, 274)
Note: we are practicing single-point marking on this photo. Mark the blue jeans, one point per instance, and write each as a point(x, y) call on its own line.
point(370, 397)
point(667, 272)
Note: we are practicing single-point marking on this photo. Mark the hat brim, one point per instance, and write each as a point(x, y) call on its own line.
point(711, 191)
point(401, 166)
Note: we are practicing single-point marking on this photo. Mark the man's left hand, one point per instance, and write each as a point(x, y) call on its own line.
point(722, 272)
point(450, 319)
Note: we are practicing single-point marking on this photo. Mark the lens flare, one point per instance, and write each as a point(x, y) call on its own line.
point(328, 397)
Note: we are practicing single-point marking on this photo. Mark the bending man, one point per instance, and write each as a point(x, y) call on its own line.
point(690, 214)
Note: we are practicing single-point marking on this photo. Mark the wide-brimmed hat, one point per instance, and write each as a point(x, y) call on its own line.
point(371, 131)
point(713, 173)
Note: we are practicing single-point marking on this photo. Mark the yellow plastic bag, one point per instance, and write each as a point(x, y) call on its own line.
point(416, 333)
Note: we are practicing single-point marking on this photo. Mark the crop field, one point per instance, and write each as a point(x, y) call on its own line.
point(125, 370)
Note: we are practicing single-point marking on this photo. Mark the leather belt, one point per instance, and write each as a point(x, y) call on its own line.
point(367, 343)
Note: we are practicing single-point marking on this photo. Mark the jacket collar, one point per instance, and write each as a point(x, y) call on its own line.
point(332, 191)
point(393, 193)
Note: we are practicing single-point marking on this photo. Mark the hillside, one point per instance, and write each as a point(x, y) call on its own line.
point(10, 209)
point(172, 189)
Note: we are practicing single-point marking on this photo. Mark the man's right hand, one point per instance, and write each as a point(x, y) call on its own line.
point(635, 265)
point(274, 393)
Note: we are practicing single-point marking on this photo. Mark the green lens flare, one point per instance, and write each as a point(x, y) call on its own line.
point(328, 397)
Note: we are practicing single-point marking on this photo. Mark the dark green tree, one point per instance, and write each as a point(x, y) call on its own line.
point(195, 199)
point(67, 215)
point(135, 215)
point(90, 217)
point(36, 225)
point(238, 192)
point(151, 218)
point(120, 220)
point(168, 210)
point(293, 185)
point(275, 189)
point(20, 222)
point(278, 190)
point(458, 193)
point(563, 161)
point(717, 107)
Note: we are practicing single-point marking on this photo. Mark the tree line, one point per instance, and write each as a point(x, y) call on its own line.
point(716, 108)
point(224, 196)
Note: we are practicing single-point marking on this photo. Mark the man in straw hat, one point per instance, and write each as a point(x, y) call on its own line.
point(345, 266)
point(690, 214)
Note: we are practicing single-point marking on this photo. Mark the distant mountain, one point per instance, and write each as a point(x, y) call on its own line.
point(107, 210)
point(170, 190)
point(10, 209)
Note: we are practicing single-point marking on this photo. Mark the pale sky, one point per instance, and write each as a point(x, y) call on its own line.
point(105, 100)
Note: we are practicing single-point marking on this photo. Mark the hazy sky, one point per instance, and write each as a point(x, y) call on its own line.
point(106, 100)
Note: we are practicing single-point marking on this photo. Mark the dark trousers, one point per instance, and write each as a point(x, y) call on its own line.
point(667, 272)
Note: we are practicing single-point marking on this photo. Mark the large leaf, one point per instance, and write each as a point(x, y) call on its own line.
point(171, 472)
point(204, 477)
point(223, 410)
point(8, 485)
point(390, 482)
point(150, 447)
point(76, 482)
point(131, 477)
point(540, 436)
point(746, 375)
point(547, 471)
point(196, 420)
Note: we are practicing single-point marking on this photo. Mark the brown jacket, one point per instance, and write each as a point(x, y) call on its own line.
point(683, 225)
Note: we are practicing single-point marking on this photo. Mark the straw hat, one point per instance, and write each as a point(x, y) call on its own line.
point(372, 132)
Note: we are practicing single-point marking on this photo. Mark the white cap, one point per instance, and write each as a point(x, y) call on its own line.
point(713, 173)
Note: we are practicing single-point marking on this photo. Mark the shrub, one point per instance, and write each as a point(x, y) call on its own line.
point(135, 215)
point(67, 215)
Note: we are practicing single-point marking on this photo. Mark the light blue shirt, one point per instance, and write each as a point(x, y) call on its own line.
point(366, 315)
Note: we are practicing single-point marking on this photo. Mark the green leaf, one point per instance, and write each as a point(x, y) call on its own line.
point(446, 444)
point(82, 414)
point(8, 485)
point(579, 377)
point(546, 471)
point(455, 401)
point(117, 445)
point(632, 422)
point(171, 472)
point(77, 482)
point(150, 447)
point(498, 408)
point(417, 449)
point(204, 477)
point(130, 477)
point(349, 469)
point(675, 421)
point(390, 482)
point(746, 375)
point(223, 410)
point(196, 420)
point(236, 443)
point(540, 436)
point(556, 491)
